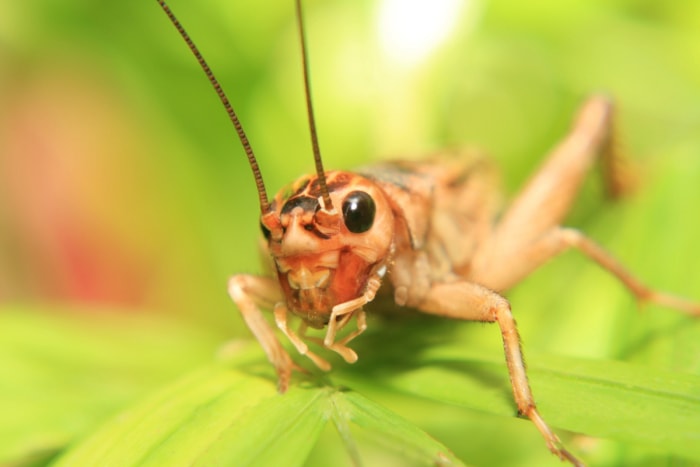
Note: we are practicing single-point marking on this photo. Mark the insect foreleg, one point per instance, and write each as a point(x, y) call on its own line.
point(361, 320)
point(250, 293)
point(281, 321)
point(341, 347)
point(472, 302)
point(340, 317)
point(343, 313)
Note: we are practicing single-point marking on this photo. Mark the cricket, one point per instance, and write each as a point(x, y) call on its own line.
point(428, 232)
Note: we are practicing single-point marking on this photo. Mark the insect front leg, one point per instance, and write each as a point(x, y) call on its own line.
point(341, 315)
point(250, 293)
point(297, 339)
point(467, 301)
point(340, 347)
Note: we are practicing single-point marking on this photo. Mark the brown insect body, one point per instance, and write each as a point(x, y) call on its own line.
point(442, 242)
point(431, 230)
point(443, 207)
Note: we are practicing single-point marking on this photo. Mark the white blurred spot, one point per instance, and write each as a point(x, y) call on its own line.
point(409, 30)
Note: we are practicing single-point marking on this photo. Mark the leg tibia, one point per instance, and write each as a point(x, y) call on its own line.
point(467, 301)
point(280, 312)
point(513, 269)
point(249, 293)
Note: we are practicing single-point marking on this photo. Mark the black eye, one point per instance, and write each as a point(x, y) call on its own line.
point(358, 211)
point(265, 231)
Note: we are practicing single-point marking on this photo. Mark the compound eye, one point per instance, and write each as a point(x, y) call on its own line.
point(265, 231)
point(358, 211)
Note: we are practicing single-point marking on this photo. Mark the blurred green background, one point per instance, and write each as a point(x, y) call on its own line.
point(124, 190)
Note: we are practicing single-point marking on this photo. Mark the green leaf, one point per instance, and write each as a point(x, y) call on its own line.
point(223, 416)
point(641, 407)
point(231, 414)
point(389, 430)
point(649, 407)
point(62, 372)
point(212, 415)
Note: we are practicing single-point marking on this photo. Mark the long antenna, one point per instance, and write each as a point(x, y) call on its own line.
point(262, 194)
point(310, 111)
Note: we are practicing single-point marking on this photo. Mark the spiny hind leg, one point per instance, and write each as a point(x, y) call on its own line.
point(472, 302)
point(547, 197)
point(561, 239)
point(528, 234)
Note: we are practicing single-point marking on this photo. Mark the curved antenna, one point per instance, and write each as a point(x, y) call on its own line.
point(262, 194)
point(310, 111)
